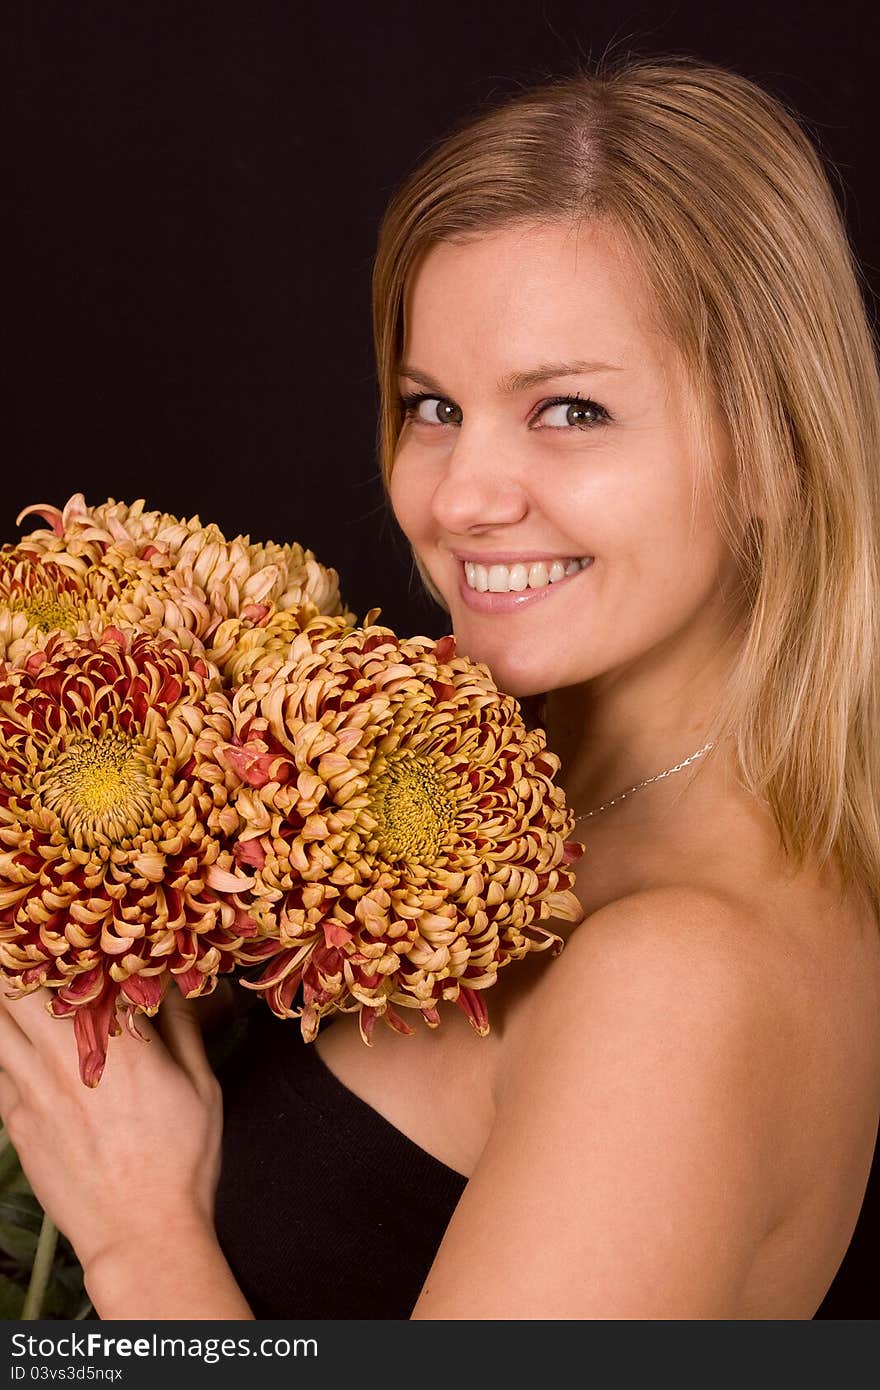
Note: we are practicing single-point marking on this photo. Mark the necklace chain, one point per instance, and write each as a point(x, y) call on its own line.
point(656, 778)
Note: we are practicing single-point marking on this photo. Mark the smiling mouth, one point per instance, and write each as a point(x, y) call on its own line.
point(520, 578)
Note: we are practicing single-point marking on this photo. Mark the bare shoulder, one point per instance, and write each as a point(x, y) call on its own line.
point(782, 985)
point(663, 959)
point(679, 1130)
point(662, 921)
point(674, 990)
point(642, 1108)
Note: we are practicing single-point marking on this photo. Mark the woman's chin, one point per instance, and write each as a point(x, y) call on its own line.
point(509, 674)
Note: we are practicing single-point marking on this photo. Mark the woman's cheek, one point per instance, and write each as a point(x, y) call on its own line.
point(411, 492)
point(403, 501)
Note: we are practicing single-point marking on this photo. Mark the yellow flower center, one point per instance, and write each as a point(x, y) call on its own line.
point(102, 788)
point(412, 806)
point(50, 611)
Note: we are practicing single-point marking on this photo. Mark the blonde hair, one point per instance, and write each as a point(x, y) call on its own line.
point(725, 205)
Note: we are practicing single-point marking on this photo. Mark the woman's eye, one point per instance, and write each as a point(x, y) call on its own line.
point(432, 416)
point(576, 411)
point(579, 412)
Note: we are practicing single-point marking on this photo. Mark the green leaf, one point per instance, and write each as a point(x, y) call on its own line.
point(10, 1168)
point(20, 1220)
point(22, 1209)
point(18, 1242)
point(65, 1294)
point(11, 1299)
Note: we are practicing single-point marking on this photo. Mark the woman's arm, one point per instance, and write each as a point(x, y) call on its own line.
point(635, 1162)
point(128, 1169)
point(172, 1273)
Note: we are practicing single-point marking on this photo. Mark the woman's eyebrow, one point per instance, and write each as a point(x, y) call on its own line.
point(520, 381)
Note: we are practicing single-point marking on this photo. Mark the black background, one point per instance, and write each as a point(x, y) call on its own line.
point(195, 194)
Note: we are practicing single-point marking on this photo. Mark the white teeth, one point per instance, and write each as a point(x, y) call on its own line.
point(502, 579)
point(477, 576)
point(498, 577)
point(519, 578)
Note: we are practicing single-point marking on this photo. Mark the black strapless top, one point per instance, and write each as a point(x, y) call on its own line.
point(325, 1210)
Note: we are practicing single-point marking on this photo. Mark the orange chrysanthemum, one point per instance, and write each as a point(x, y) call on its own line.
point(241, 579)
point(80, 591)
point(116, 866)
point(401, 825)
point(239, 647)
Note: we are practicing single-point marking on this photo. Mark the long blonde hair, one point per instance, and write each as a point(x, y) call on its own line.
point(724, 202)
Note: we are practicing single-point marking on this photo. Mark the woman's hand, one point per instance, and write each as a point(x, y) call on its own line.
point(135, 1156)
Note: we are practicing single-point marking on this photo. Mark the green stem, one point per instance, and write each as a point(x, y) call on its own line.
point(42, 1269)
point(84, 1310)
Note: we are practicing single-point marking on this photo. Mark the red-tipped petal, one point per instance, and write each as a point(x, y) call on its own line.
point(253, 768)
point(190, 981)
point(256, 613)
point(393, 1019)
point(47, 512)
point(245, 925)
point(445, 648)
point(443, 690)
point(225, 882)
point(261, 950)
point(145, 990)
point(367, 1022)
point(36, 975)
point(92, 1027)
point(250, 852)
point(85, 988)
point(308, 1025)
point(335, 935)
point(131, 1015)
point(473, 1006)
point(281, 965)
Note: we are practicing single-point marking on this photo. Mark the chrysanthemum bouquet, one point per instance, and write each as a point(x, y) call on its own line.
point(207, 766)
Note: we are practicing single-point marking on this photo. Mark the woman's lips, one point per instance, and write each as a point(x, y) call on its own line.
point(511, 602)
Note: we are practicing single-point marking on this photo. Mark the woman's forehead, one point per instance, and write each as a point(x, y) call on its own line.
point(524, 297)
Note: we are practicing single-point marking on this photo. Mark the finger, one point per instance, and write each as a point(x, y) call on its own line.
point(30, 1012)
point(53, 1038)
point(182, 1034)
point(10, 1097)
point(18, 1056)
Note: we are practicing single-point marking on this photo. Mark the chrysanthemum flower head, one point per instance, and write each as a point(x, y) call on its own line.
point(401, 824)
point(128, 527)
point(239, 646)
point(37, 597)
point(116, 865)
point(80, 590)
point(241, 579)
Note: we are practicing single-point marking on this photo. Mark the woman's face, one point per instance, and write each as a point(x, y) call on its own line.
point(491, 473)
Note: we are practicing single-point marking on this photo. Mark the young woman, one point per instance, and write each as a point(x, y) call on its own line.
point(630, 424)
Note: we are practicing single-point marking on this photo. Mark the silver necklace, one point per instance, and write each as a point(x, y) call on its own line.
point(656, 778)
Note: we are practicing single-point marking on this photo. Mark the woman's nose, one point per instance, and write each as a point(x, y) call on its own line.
point(480, 485)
